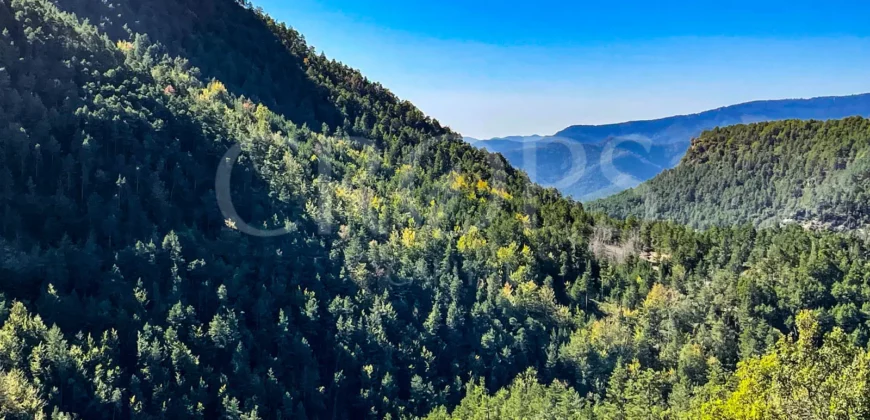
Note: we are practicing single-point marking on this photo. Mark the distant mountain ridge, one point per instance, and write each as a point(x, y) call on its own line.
point(671, 129)
point(643, 149)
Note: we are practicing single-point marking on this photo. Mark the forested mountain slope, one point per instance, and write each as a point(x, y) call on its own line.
point(811, 172)
point(410, 267)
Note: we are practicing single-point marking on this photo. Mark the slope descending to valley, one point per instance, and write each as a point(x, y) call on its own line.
point(810, 172)
point(643, 149)
point(373, 266)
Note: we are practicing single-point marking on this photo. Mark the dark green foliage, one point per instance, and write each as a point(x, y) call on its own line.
point(412, 266)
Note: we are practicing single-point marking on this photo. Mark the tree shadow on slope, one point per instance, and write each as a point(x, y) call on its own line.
point(229, 42)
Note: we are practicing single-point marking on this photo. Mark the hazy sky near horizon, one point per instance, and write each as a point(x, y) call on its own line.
point(490, 69)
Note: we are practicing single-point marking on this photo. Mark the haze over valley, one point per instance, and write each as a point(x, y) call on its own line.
point(590, 162)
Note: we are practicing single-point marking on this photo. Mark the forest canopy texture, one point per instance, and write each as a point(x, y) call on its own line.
point(415, 277)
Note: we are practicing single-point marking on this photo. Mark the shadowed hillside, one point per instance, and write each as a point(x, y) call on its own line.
point(299, 243)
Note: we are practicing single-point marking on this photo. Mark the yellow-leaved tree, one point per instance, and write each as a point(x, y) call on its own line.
point(808, 378)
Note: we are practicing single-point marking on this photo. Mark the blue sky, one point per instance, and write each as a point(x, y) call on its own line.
point(511, 67)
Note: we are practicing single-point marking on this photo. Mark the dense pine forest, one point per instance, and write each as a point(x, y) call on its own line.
point(815, 173)
point(414, 276)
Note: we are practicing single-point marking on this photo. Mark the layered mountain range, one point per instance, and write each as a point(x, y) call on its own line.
point(593, 161)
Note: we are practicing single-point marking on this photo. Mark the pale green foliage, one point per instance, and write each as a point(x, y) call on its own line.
point(525, 398)
point(798, 379)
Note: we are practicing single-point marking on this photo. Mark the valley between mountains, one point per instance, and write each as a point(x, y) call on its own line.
point(410, 274)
